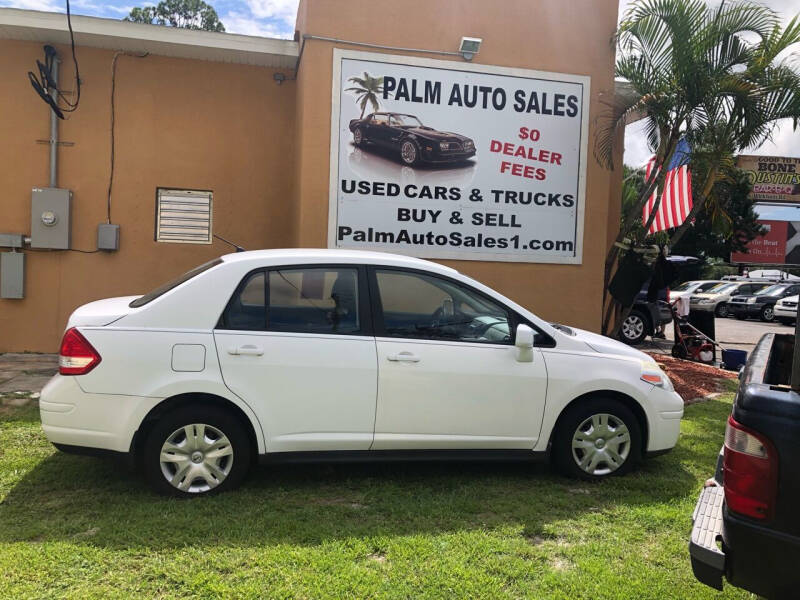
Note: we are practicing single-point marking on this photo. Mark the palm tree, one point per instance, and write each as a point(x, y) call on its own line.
point(367, 91)
point(693, 73)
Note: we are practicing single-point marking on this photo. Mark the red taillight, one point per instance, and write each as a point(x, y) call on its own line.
point(750, 472)
point(77, 356)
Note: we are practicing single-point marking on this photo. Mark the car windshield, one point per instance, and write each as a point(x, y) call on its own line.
point(405, 121)
point(721, 288)
point(163, 289)
point(773, 290)
point(704, 287)
point(685, 286)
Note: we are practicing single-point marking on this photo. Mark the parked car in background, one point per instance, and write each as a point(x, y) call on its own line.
point(687, 288)
point(645, 317)
point(415, 142)
point(761, 304)
point(786, 310)
point(717, 298)
point(313, 354)
point(746, 526)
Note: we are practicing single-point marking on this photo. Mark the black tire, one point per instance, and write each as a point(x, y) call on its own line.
point(358, 137)
point(722, 310)
point(635, 328)
point(169, 424)
point(679, 351)
point(410, 157)
point(562, 451)
point(767, 313)
point(786, 320)
point(741, 317)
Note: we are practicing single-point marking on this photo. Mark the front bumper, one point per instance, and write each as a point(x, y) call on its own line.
point(437, 156)
point(703, 307)
point(786, 313)
point(750, 310)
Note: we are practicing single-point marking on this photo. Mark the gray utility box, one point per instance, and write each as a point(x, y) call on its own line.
point(51, 225)
point(108, 237)
point(12, 275)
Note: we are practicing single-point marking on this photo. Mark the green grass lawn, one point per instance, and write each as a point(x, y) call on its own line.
point(78, 527)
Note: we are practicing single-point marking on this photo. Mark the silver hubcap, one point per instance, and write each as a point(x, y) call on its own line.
point(601, 444)
point(196, 458)
point(409, 152)
point(357, 136)
point(768, 314)
point(632, 327)
point(723, 310)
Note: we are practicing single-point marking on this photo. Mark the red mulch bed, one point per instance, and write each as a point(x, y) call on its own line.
point(693, 381)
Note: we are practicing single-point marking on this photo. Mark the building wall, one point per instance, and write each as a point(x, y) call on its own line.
point(179, 123)
point(573, 36)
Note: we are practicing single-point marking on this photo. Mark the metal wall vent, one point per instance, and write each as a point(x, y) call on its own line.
point(183, 216)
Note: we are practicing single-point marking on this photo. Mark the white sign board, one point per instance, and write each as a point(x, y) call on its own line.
point(443, 159)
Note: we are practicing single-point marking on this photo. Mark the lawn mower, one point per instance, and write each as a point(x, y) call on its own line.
point(690, 342)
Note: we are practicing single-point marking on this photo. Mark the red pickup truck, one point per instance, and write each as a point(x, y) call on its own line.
point(746, 526)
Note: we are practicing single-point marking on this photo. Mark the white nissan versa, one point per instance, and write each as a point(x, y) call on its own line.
point(314, 354)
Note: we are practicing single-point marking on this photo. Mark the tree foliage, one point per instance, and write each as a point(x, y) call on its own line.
point(366, 89)
point(187, 14)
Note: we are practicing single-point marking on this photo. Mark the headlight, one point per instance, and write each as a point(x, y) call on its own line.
point(706, 301)
point(751, 300)
point(444, 145)
point(652, 374)
point(468, 144)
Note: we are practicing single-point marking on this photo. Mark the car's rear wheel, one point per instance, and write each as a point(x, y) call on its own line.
point(767, 314)
point(358, 136)
point(722, 310)
point(596, 439)
point(409, 152)
point(196, 451)
point(634, 328)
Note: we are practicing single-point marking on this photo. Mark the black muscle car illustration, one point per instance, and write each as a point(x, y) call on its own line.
point(415, 142)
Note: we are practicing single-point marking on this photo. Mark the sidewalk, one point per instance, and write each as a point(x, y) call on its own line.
point(22, 376)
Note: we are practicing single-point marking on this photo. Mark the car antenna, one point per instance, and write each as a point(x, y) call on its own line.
point(237, 246)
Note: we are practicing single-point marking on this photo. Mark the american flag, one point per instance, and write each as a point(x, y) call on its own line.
point(676, 201)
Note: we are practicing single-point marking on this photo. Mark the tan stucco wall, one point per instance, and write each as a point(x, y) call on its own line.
point(264, 150)
point(179, 123)
point(573, 36)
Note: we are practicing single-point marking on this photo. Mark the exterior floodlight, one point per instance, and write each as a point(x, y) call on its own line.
point(469, 47)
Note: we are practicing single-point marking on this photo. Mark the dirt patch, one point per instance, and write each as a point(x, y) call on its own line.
point(694, 381)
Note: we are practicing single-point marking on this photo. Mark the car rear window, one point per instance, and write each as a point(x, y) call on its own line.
point(163, 289)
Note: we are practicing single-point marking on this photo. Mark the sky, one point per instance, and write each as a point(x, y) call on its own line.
point(276, 18)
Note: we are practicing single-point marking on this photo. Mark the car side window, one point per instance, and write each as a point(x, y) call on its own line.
point(313, 300)
point(380, 119)
point(419, 306)
point(247, 309)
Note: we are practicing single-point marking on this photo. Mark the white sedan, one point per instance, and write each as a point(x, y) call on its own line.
point(786, 309)
point(328, 354)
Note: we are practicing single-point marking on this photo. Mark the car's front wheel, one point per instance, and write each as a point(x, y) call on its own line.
point(358, 136)
point(722, 310)
point(596, 439)
point(634, 328)
point(767, 314)
point(409, 152)
point(196, 451)
point(786, 320)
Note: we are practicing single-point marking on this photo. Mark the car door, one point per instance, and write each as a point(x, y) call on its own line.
point(448, 375)
point(296, 344)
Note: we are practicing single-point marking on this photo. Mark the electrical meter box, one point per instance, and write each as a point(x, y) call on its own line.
point(51, 218)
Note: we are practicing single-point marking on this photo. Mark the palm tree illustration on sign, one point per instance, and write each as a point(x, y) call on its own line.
point(366, 90)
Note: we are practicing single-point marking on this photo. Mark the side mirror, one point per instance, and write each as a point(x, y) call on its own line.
point(524, 343)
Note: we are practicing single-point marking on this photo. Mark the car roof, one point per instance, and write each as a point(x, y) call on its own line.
point(329, 255)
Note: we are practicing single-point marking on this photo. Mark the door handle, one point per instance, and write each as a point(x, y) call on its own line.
point(247, 349)
point(403, 357)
